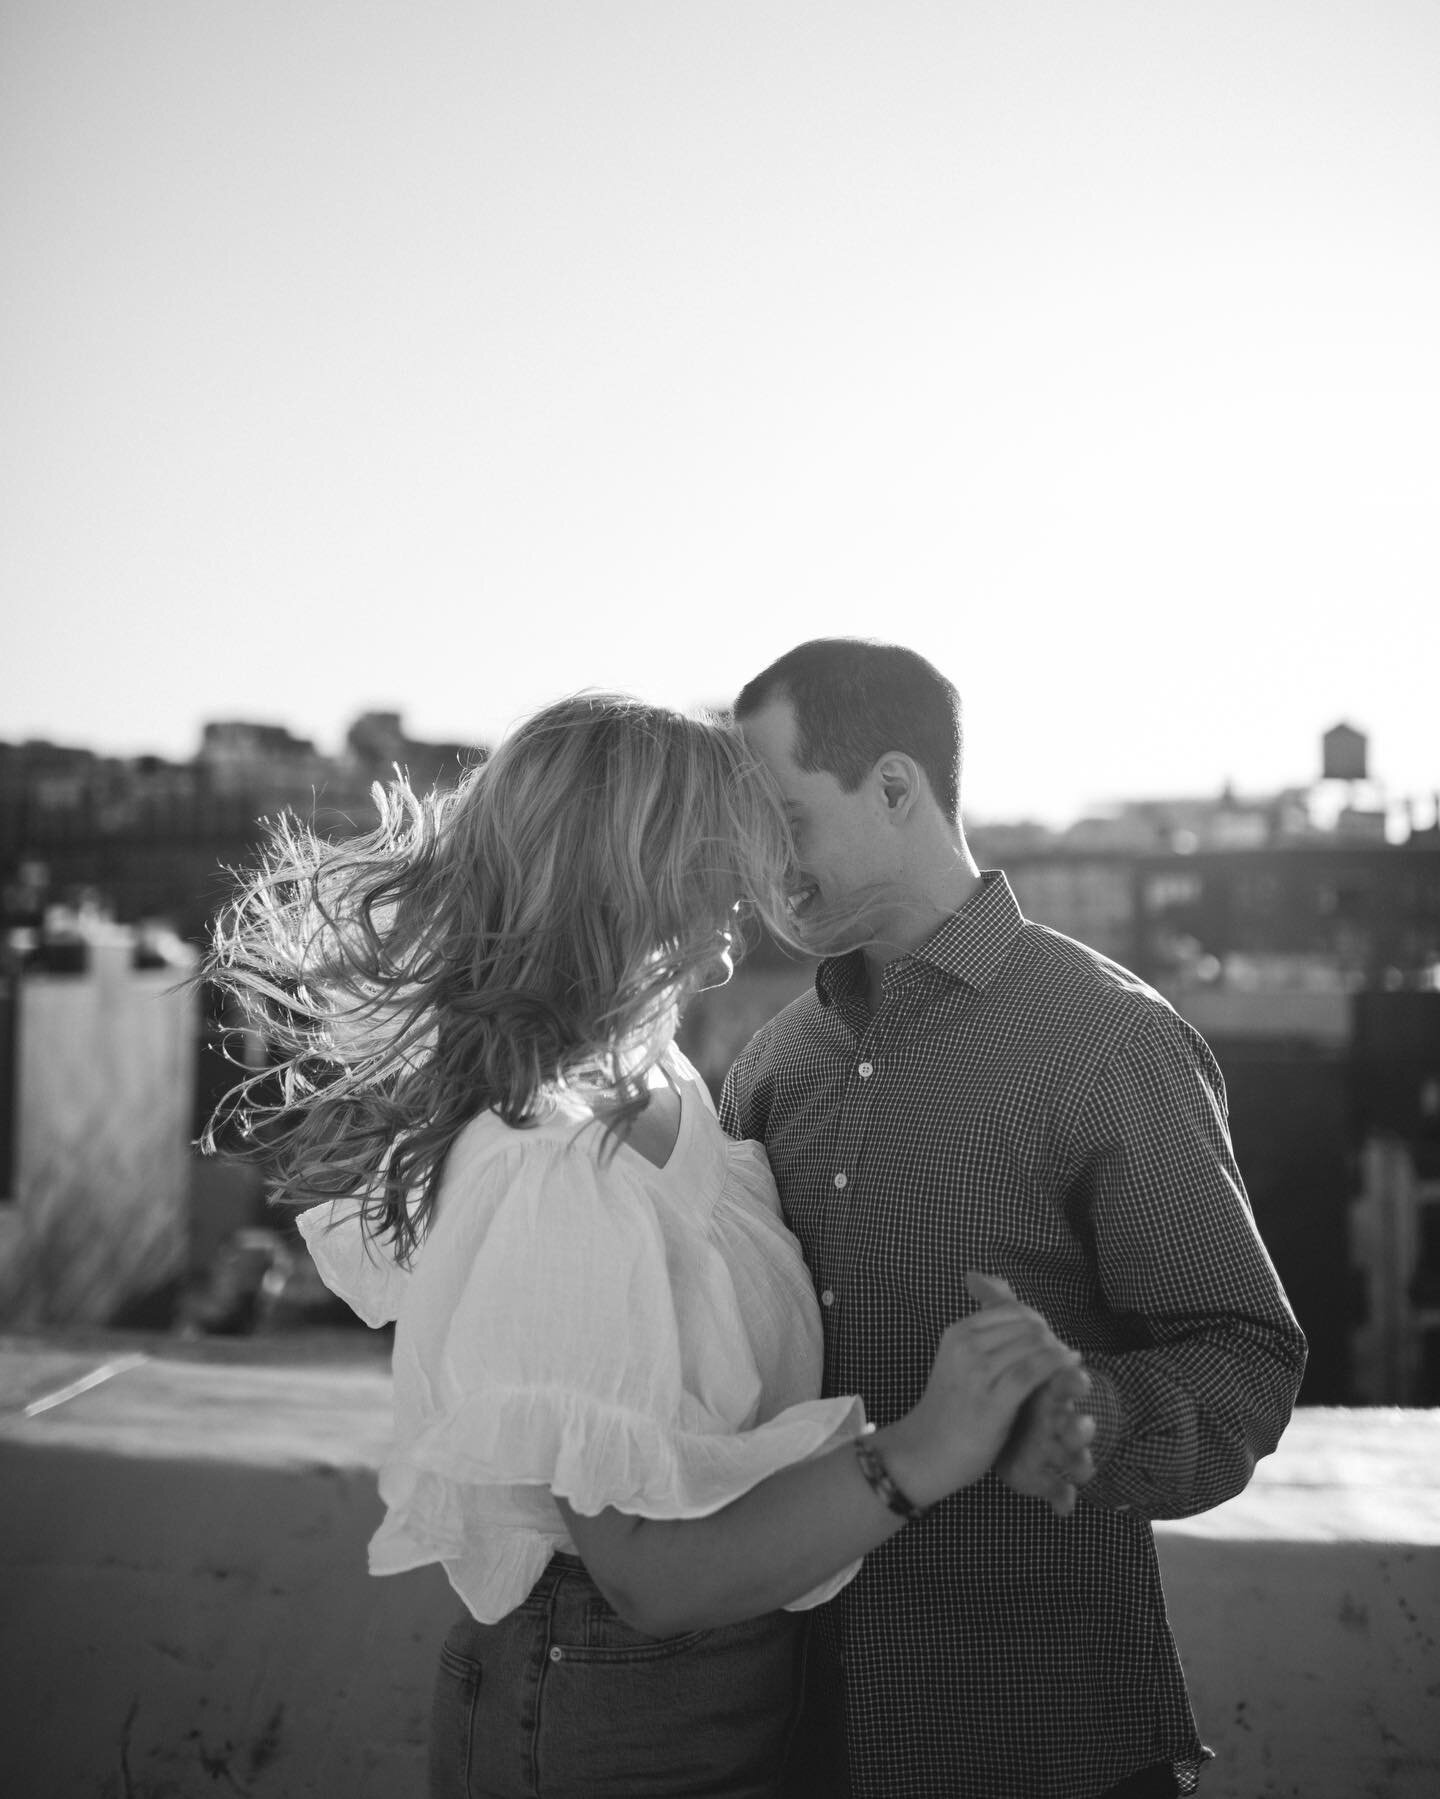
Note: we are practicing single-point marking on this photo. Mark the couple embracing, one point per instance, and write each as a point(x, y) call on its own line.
point(810, 1449)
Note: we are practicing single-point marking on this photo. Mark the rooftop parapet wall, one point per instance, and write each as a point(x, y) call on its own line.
point(182, 1548)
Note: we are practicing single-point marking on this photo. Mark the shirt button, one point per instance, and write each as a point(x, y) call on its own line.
point(827, 1298)
point(842, 1179)
point(865, 1070)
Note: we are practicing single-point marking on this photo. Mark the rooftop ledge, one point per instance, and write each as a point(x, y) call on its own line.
point(321, 1400)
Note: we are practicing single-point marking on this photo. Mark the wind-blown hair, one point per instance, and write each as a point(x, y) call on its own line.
point(533, 931)
point(855, 699)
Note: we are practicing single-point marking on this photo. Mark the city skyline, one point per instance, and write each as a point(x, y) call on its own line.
point(448, 363)
point(265, 759)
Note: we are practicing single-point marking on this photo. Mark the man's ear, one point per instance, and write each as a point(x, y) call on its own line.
point(899, 783)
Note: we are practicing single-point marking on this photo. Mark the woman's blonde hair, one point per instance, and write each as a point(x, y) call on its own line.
point(535, 929)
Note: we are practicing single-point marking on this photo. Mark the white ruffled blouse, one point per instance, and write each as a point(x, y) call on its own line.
point(612, 1332)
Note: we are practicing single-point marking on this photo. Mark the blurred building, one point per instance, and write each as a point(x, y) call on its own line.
point(376, 745)
point(1319, 915)
point(155, 838)
point(110, 869)
point(1341, 804)
point(96, 1078)
point(1328, 887)
point(240, 757)
point(1395, 1210)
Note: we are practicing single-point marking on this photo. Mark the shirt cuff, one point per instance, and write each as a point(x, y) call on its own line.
point(1107, 1408)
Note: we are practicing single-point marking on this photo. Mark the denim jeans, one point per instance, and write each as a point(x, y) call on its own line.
point(561, 1700)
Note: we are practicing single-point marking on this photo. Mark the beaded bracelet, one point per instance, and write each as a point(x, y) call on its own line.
point(872, 1466)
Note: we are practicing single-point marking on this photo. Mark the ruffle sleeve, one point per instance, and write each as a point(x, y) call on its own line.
point(358, 1270)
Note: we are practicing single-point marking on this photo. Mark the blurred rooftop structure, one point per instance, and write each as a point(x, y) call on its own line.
point(1340, 804)
point(150, 838)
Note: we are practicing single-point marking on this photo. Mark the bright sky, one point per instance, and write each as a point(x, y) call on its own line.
point(448, 357)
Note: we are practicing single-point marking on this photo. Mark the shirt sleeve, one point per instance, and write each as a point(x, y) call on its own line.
point(564, 1361)
point(1212, 1355)
point(736, 1110)
point(353, 1265)
point(729, 1109)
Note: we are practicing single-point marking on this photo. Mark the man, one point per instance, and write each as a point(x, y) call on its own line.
point(968, 1091)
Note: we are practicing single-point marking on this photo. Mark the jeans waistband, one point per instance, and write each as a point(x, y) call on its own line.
point(562, 1569)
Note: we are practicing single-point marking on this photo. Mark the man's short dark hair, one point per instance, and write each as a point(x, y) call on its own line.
point(854, 700)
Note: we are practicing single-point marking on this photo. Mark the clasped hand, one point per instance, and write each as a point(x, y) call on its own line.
point(1047, 1453)
point(1001, 1393)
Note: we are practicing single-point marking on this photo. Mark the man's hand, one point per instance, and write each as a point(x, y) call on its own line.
point(986, 1366)
point(1047, 1454)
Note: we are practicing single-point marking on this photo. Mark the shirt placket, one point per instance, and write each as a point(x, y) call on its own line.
point(847, 1195)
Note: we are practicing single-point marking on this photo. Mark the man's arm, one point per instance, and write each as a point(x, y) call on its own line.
point(1200, 1381)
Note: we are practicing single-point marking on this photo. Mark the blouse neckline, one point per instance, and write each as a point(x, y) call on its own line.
point(684, 1077)
point(677, 1148)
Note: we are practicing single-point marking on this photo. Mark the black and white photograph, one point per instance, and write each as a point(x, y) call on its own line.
point(720, 899)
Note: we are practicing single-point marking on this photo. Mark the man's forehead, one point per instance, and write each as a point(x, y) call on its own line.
point(770, 731)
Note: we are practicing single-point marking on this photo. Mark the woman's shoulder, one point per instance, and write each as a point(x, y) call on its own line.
point(738, 1168)
point(549, 1176)
point(692, 1082)
point(534, 1228)
point(546, 1141)
point(697, 1093)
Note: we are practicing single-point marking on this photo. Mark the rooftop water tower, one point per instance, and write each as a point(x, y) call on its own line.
point(1343, 754)
point(1360, 811)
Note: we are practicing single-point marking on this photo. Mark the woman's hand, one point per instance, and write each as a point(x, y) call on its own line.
point(985, 1369)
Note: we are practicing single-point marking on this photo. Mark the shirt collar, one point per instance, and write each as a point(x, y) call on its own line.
point(970, 946)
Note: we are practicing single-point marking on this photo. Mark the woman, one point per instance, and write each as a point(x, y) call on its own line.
point(607, 1350)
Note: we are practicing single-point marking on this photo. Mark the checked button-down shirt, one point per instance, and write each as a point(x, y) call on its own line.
point(1022, 1106)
